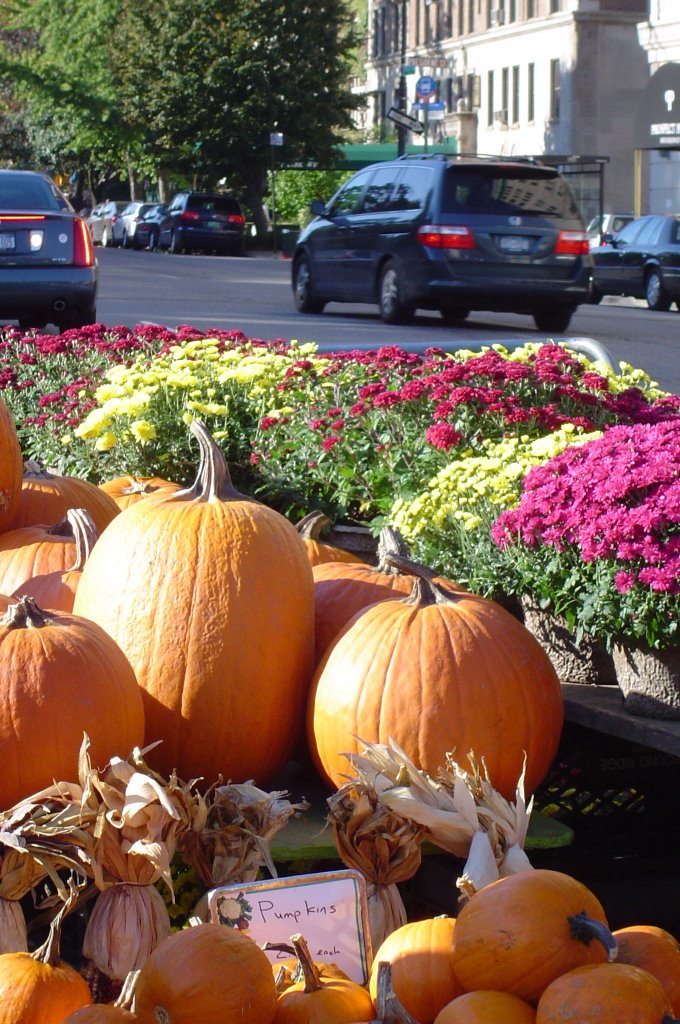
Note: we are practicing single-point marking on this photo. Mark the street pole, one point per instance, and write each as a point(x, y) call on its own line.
point(401, 129)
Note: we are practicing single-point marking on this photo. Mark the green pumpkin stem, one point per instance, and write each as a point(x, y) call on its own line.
point(585, 929)
point(300, 950)
point(311, 525)
point(25, 614)
point(213, 480)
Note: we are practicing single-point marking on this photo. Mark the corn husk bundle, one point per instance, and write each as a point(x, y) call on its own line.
point(461, 811)
point(230, 836)
point(383, 846)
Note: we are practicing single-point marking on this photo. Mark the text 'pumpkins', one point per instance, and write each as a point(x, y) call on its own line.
point(437, 672)
point(210, 596)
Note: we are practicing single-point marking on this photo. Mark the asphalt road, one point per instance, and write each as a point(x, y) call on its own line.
point(253, 294)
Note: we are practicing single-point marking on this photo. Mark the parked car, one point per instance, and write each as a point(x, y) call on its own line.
point(147, 227)
point(125, 226)
point(103, 220)
point(448, 233)
point(203, 221)
point(607, 224)
point(48, 270)
point(641, 261)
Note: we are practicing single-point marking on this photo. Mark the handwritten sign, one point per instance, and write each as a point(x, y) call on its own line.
point(329, 909)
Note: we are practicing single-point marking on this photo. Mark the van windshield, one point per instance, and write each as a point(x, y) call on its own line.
point(507, 190)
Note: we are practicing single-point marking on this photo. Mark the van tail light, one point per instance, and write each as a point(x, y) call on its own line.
point(572, 243)
point(190, 215)
point(446, 236)
point(83, 251)
point(236, 218)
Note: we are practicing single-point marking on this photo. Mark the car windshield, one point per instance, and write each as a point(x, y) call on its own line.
point(507, 190)
point(221, 204)
point(28, 192)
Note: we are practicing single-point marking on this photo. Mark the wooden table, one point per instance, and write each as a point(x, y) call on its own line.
point(601, 708)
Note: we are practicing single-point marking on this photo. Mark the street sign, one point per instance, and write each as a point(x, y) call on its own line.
point(408, 69)
point(276, 138)
point(428, 106)
point(425, 87)
point(404, 120)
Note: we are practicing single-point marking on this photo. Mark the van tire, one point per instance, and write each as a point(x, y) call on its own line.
point(393, 309)
point(554, 320)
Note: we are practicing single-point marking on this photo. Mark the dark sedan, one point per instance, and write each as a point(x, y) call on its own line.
point(147, 228)
point(642, 261)
point(48, 271)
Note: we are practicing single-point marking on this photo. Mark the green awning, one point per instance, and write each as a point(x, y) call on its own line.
point(361, 154)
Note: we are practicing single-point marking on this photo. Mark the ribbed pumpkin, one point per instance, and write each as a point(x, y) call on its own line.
point(35, 551)
point(520, 933)
point(57, 590)
point(209, 974)
point(46, 498)
point(604, 994)
point(423, 979)
point(486, 1007)
point(310, 529)
point(60, 676)
point(436, 672)
point(319, 998)
point(128, 490)
point(210, 596)
point(11, 469)
point(654, 950)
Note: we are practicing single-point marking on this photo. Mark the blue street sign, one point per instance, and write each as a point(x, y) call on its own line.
point(428, 106)
point(425, 86)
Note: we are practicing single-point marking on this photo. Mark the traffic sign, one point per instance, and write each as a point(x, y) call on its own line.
point(425, 87)
point(428, 106)
point(404, 120)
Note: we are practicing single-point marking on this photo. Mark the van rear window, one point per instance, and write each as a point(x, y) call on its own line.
point(508, 191)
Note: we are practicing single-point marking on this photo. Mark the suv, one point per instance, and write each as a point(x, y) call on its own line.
point(207, 221)
point(452, 233)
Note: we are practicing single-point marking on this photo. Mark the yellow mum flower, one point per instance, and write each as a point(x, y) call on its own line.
point(106, 441)
point(143, 430)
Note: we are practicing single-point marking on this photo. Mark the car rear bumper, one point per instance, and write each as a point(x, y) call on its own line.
point(200, 238)
point(503, 294)
point(52, 289)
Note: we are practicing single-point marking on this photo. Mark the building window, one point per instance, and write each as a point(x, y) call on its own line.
point(489, 98)
point(461, 18)
point(554, 90)
point(512, 10)
point(471, 15)
point(515, 95)
point(505, 94)
point(530, 92)
point(531, 8)
point(555, 6)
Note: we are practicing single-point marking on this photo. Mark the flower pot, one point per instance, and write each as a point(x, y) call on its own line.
point(649, 679)
point(585, 661)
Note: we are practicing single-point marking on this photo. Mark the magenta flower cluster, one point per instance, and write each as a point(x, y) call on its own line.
point(615, 499)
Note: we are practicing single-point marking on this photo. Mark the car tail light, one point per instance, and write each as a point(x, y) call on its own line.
point(192, 215)
point(236, 218)
point(446, 236)
point(572, 243)
point(83, 253)
point(20, 216)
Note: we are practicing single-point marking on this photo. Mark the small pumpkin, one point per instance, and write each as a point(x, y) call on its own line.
point(30, 551)
point(57, 590)
point(604, 994)
point(310, 529)
point(521, 932)
point(208, 973)
point(11, 469)
point(655, 950)
point(486, 1007)
point(46, 497)
point(127, 490)
point(423, 978)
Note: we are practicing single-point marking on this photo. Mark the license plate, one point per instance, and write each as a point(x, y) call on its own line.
point(215, 224)
point(513, 243)
point(7, 240)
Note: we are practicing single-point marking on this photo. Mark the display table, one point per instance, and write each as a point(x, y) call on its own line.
point(601, 708)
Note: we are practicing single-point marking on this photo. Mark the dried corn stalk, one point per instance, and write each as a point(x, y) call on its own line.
point(460, 811)
point(383, 846)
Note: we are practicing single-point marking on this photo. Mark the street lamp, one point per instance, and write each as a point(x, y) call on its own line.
point(401, 129)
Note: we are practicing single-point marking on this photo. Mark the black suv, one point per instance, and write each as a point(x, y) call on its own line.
point(451, 233)
point(203, 221)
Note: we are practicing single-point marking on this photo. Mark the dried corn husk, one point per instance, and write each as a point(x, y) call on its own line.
point(383, 846)
point(13, 935)
point(460, 811)
point(126, 924)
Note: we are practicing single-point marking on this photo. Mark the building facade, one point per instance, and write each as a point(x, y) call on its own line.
point(555, 78)
point(660, 38)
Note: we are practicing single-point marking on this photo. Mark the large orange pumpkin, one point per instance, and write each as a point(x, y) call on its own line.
point(209, 974)
point(128, 490)
point(11, 469)
point(60, 676)
point(57, 590)
point(310, 529)
point(46, 497)
point(101, 1013)
point(437, 672)
point(32, 551)
point(486, 1007)
point(604, 994)
point(654, 950)
point(210, 596)
point(520, 933)
point(423, 979)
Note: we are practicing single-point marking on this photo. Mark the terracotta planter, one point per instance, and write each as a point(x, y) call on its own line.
point(586, 662)
point(649, 680)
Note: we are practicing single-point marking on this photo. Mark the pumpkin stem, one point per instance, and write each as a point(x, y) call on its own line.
point(49, 953)
point(85, 534)
point(25, 614)
point(299, 949)
point(390, 1010)
point(585, 929)
point(391, 542)
point(311, 525)
point(34, 471)
point(213, 481)
point(425, 589)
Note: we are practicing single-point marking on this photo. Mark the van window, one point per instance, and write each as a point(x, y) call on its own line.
point(507, 190)
point(378, 193)
point(349, 195)
point(413, 188)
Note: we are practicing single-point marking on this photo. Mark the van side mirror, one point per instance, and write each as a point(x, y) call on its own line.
point(318, 208)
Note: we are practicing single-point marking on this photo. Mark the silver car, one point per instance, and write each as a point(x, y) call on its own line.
point(125, 226)
point(103, 221)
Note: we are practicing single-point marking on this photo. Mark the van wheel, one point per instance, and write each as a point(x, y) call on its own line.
point(175, 244)
point(554, 320)
point(393, 309)
point(303, 289)
point(655, 293)
point(453, 314)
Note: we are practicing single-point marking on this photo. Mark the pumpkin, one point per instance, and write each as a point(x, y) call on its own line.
point(435, 672)
point(289, 971)
point(101, 1013)
point(127, 490)
point(486, 1007)
point(423, 979)
point(317, 999)
point(46, 497)
point(39, 988)
point(11, 469)
point(32, 551)
point(208, 973)
point(60, 676)
point(310, 529)
point(604, 994)
point(521, 932)
point(210, 596)
point(57, 589)
point(654, 950)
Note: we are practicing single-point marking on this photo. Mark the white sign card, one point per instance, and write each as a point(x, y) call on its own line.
point(329, 909)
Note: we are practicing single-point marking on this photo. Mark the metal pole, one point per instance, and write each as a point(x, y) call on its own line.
point(401, 129)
